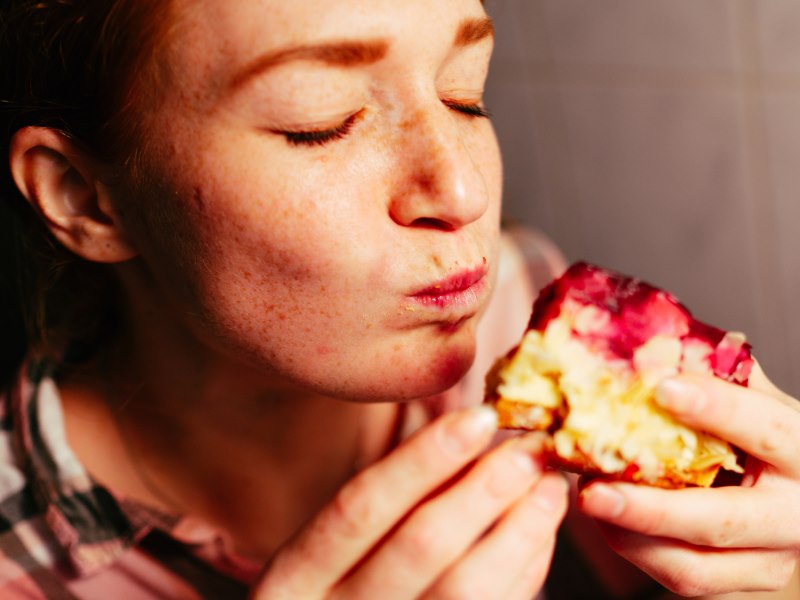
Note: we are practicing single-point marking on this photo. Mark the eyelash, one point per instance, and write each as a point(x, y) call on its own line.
point(320, 138)
point(471, 110)
point(324, 136)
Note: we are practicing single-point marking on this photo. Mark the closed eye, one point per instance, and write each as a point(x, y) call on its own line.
point(320, 137)
point(469, 109)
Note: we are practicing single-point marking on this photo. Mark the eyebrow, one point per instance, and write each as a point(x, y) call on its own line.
point(351, 53)
point(471, 31)
point(341, 54)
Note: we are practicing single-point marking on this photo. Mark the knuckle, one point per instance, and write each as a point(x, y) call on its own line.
point(724, 536)
point(354, 510)
point(689, 581)
point(422, 542)
point(776, 437)
point(684, 588)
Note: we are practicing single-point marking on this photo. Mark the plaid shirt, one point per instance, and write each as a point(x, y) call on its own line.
point(64, 536)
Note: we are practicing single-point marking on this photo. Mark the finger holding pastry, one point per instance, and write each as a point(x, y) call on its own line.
point(729, 538)
point(694, 571)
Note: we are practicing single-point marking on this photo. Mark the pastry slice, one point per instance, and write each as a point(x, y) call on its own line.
point(597, 345)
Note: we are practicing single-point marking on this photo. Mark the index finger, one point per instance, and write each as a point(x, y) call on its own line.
point(758, 422)
point(726, 517)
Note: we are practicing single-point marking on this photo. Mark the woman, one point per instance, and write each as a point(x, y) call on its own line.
point(289, 212)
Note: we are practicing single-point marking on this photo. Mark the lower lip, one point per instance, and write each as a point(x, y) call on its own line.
point(467, 298)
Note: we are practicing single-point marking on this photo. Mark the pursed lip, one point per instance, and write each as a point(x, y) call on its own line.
point(461, 289)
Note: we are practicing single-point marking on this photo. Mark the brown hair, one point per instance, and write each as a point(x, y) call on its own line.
point(78, 66)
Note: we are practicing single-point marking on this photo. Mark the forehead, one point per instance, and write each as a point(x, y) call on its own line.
point(235, 31)
point(287, 18)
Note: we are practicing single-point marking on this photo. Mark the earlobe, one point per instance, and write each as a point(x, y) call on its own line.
point(61, 183)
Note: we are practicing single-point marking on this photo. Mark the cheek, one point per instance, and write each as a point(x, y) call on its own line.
point(267, 267)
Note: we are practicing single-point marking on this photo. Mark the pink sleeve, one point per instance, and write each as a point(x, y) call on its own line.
point(135, 576)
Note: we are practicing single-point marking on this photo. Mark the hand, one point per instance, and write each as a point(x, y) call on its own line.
point(703, 541)
point(431, 521)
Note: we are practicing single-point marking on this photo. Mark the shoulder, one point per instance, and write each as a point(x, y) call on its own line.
point(49, 507)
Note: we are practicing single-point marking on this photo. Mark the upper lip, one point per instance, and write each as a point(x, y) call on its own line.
point(454, 283)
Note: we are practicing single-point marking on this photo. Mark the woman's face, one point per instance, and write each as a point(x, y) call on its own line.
point(323, 189)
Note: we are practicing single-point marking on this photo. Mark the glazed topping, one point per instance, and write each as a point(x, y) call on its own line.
point(616, 314)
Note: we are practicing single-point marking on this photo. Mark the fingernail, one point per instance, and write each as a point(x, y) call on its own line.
point(549, 494)
point(602, 501)
point(471, 428)
point(679, 396)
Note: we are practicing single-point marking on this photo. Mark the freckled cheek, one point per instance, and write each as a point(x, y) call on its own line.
point(278, 277)
point(263, 228)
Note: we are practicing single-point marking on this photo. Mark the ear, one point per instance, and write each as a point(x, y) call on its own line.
point(62, 184)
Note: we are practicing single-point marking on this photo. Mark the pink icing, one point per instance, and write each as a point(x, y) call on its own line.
point(637, 311)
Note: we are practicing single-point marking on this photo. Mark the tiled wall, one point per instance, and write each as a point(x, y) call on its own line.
point(662, 138)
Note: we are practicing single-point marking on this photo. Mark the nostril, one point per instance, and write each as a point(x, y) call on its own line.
point(432, 223)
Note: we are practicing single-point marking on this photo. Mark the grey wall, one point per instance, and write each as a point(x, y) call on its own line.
point(662, 138)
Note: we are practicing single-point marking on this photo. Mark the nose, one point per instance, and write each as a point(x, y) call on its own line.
point(437, 183)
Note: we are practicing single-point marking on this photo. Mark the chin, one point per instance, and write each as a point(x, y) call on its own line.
point(419, 374)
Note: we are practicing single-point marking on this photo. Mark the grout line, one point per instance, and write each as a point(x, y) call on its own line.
point(573, 74)
point(537, 187)
point(559, 172)
point(770, 303)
